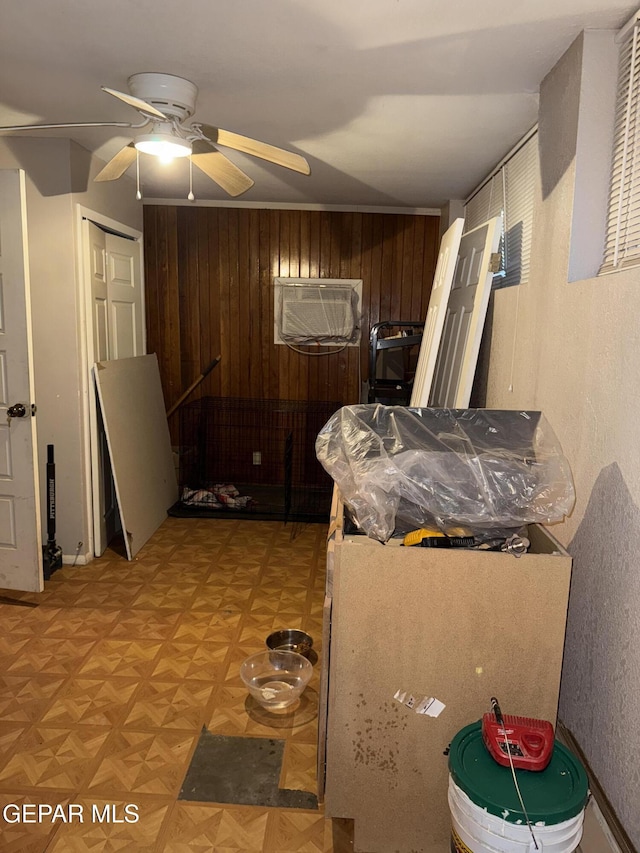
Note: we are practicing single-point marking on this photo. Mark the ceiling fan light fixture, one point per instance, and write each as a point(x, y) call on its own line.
point(165, 102)
point(163, 145)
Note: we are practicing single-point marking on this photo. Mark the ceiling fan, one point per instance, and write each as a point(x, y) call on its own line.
point(165, 103)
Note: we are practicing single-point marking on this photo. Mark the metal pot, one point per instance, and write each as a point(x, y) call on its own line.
point(292, 640)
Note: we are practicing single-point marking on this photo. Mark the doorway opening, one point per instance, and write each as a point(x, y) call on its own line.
point(114, 327)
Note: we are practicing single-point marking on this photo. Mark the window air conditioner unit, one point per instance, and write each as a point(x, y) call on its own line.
point(326, 313)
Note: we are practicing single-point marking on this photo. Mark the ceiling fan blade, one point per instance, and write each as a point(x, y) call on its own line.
point(136, 103)
point(221, 170)
point(118, 165)
point(70, 124)
point(258, 149)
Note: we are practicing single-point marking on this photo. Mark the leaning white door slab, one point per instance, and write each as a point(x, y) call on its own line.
point(434, 321)
point(20, 535)
point(464, 317)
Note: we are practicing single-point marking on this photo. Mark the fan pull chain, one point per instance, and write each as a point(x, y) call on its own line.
point(191, 196)
point(138, 193)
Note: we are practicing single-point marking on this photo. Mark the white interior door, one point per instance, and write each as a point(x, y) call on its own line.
point(125, 325)
point(20, 535)
point(434, 321)
point(464, 317)
point(105, 512)
point(113, 276)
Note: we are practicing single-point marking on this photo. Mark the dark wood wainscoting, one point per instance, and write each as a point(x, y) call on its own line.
point(209, 290)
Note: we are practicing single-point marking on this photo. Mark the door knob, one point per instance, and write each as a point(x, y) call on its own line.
point(18, 410)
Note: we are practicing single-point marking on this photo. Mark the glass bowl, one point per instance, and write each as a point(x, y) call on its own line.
point(276, 678)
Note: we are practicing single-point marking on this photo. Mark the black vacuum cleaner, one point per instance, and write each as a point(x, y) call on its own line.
point(51, 553)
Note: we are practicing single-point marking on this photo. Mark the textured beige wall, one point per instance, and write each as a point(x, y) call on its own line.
point(58, 175)
point(572, 350)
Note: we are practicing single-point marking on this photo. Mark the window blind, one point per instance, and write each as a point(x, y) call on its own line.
point(622, 236)
point(510, 191)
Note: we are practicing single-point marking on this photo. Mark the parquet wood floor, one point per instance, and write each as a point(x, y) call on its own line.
point(106, 685)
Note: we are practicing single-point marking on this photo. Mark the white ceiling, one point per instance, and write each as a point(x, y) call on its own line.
point(397, 103)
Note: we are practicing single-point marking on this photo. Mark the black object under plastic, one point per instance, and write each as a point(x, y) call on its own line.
point(446, 542)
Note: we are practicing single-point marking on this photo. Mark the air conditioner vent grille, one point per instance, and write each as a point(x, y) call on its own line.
point(317, 311)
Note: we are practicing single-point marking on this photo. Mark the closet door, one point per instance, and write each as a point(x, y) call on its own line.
point(113, 276)
point(124, 297)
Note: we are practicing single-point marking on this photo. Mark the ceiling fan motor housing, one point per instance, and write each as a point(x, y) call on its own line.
point(174, 96)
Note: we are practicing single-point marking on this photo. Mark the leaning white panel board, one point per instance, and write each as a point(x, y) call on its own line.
point(465, 316)
point(135, 422)
point(434, 322)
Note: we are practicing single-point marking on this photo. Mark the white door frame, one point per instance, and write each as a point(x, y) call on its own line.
point(88, 407)
point(21, 546)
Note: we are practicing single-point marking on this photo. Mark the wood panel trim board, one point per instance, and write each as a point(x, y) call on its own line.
point(281, 205)
point(606, 810)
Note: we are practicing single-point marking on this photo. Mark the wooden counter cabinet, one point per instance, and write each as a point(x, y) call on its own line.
point(458, 625)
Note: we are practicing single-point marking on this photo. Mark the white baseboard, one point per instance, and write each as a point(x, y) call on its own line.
point(596, 837)
point(603, 832)
point(77, 559)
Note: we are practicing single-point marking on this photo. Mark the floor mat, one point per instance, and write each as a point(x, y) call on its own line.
point(242, 771)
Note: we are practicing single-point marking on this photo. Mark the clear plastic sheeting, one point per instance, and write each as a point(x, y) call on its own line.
point(482, 469)
point(321, 314)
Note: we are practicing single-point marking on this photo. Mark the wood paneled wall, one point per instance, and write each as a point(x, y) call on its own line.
point(209, 290)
